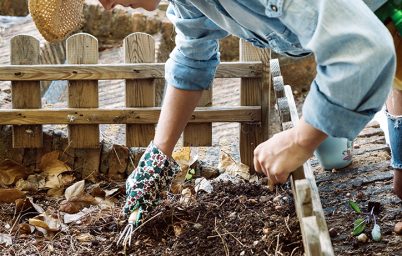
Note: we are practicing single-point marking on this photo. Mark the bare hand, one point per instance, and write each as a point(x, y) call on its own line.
point(286, 151)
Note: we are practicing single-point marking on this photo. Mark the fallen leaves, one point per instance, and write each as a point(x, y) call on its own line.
point(11, 172)
point(9, 195)
point(6, 239)
point(228, 165)
point(46, 223)
point(76, 198)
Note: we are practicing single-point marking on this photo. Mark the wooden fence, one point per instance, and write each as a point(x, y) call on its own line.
point(139, 71)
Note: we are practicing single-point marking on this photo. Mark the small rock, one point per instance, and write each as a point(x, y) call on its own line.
point(278, 207)
point(253, 201)
point(243, 253)
point(197, 226)
point(277, 198)
point(264, 199)
point(398, 228)
point(265, 231)
point(333, 232)
point(255, 243)
point(362, 238)
point(348, 194)
point(333, 170)
point(7, 226)
point(232, 215)
point(285, 198)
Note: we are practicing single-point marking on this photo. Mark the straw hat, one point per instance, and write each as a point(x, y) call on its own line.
point(56, 19)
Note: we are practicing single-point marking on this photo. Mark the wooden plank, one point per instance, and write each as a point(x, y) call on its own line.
point(325, 240)
point(199, 134)
point(25, 51)
point(250, 69)
point(139, 48)
point(83, 49)
point(311, 239)
point(124, 115)
point(250, 95)
point(303, 200)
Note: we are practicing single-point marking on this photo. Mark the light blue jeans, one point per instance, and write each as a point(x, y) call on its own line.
point(395, 139)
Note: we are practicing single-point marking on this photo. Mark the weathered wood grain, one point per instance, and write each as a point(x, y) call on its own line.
point(251, 69)
point(146, 115)
point(83, 49)
point(139, 48)
point(26, 94)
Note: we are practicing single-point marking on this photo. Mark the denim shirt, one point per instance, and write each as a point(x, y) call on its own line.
point(353, 50)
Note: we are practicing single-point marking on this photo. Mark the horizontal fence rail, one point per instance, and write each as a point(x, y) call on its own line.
point(145, 115)
point(115, 71)
point(138, 71)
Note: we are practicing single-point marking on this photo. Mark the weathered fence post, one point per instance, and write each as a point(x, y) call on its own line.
point(253, 92)
point(83, 49)
point(26, 94)
point(139, 48)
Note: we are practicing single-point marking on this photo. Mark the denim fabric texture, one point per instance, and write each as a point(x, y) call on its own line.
point(395, 138)
point(354, 51)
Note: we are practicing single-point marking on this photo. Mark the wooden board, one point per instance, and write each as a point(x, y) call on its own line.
point(250, 69)
point(144, 115)
point(321, 225)
point(139, 48)
point(83, 49)
point(252, 93)
point(26, 94)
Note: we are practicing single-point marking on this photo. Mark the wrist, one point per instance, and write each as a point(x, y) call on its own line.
point(307, 136)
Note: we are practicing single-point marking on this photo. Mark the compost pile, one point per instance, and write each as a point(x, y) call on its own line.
point(53, 211)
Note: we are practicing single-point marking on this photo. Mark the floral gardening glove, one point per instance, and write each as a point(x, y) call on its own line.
point(154, 173)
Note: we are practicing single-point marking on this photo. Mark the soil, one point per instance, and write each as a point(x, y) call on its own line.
point(235, 219)
point(367, 181)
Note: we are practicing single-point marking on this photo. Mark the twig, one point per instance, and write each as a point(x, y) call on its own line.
point(118, 158)
point(294, 250)
point(277, 245)
point(145, 222)
point(225, 246)
point(286, 223)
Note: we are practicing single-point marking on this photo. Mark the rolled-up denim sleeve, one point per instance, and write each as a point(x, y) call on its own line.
point(193, 62)
point(355, 59)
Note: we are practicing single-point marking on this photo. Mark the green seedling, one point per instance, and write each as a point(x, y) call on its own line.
point(190, 174)
point(361, 223)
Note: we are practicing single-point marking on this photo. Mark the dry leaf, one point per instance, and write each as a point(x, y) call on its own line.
point(111, 192)
point(96, 191)
point(77, 203)
point(26, 204)
point(46, 221)
point(76, 197)
point(51, 165)
point(6, 239)
point(86, 237)
point(185, 196)
point(9, 195)
point(25, 228)
point(178, 230)
point(59, 181)
point(183, 158)
point(55, 192)
point(68, 218)
point(202, 184)
point(11, 172)
point(33, 183)
point(75, 190)
point(233, 168)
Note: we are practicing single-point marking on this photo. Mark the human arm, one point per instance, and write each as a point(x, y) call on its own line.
point(355, 64)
